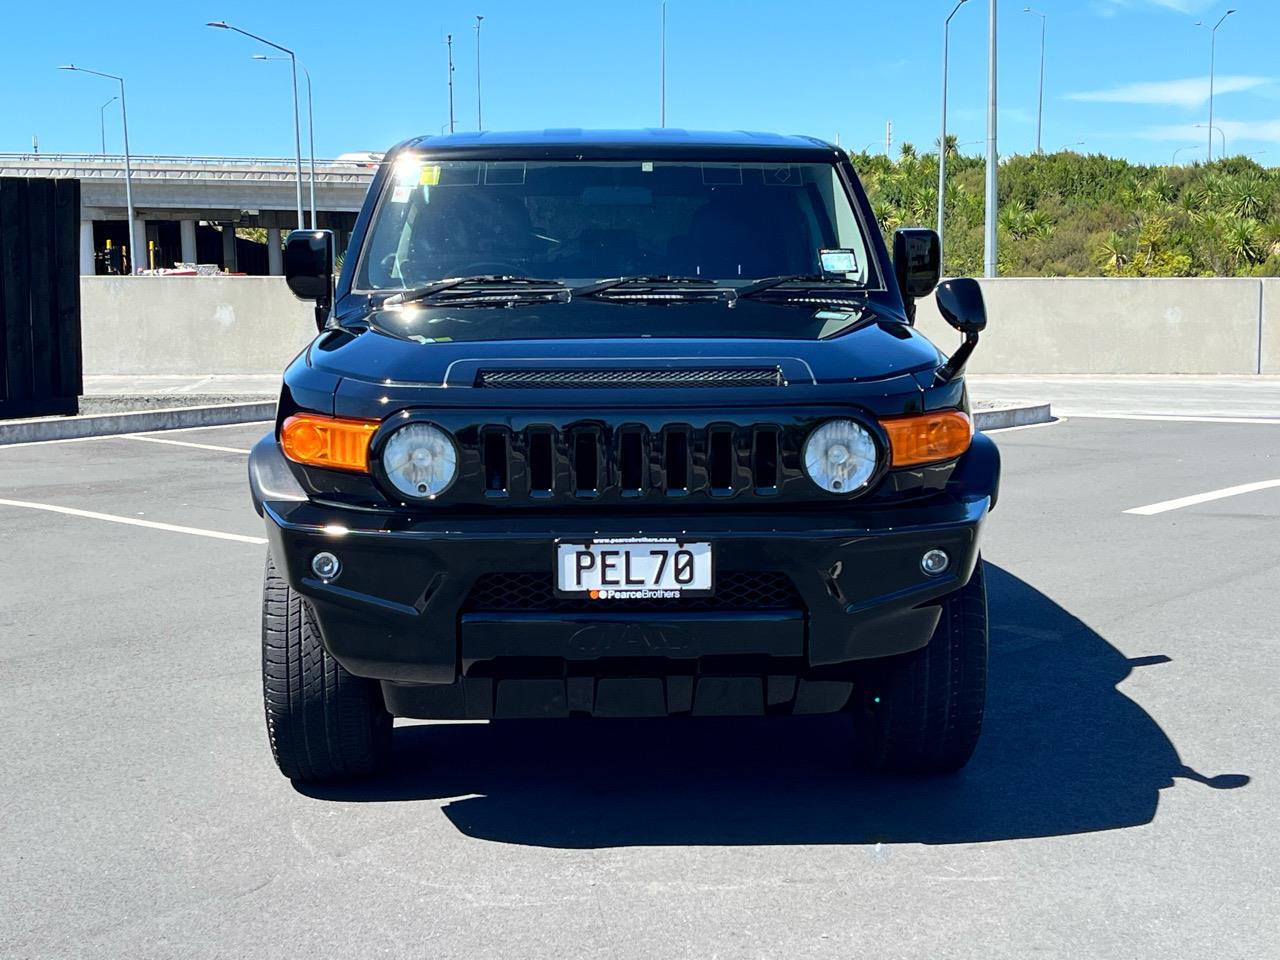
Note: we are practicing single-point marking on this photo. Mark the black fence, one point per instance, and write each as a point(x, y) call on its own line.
point(40, 368)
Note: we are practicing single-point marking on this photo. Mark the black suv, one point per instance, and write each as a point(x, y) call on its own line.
point(623, 424)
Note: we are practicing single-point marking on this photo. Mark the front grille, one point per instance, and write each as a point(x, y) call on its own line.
point(590, 460)
point(534, 593)
point(596, 379)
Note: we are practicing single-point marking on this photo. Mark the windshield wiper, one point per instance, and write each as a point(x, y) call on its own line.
point(800, 285)
point(655, 288)
point(489, 289)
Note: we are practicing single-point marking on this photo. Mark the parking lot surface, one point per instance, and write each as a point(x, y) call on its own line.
point(1121, 804)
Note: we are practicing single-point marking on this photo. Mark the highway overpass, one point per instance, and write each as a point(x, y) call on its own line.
point(190, 207)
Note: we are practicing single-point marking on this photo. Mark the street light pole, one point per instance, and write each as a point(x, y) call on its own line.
point(128, 168)
point(990, 253)
point(942, 141)
point(449, 43)
point(1040, 109)
point(102, 122)
point(311, 134)
point(663, 69)
point(1219, 131)
point(479, 114)
point(297, 122)
point(1213, 56)
point(1193, 146)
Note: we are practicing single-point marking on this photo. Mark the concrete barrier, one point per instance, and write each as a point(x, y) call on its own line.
point(253, 325)
point(191, 325)
point(1101, 326)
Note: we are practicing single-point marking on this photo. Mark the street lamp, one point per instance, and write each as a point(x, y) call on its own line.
point(942, 142)
point(1213, 55)
point(102, 122)
point(297, 123)
point(448, 40)
point(990, 244)
point(1212, 130)
point(1193, 146)
point(662, 72)
point(311, 132)
point(128, 169)
point(479, 115)
point(1067, 146)
point(1040, 109)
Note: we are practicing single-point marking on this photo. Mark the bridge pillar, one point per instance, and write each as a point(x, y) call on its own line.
point(275, 256)
point(138, 248)
point(87, 267)
point(229, 247)
point(187, 235)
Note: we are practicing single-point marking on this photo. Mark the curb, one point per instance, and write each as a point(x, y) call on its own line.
point(1012, 415)
point(99, 425)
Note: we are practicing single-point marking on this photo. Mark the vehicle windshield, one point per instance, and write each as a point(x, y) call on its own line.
point(584, 221)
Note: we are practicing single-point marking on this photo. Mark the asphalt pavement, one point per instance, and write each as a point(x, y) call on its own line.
point(1122, 802)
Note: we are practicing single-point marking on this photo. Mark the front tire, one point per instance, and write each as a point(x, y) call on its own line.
point(323, 722)
point(921, 712)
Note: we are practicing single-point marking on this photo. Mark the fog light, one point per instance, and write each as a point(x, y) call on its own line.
point(327, 567)
point(935, 562)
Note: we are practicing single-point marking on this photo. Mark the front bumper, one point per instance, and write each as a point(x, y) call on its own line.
point(403, 609)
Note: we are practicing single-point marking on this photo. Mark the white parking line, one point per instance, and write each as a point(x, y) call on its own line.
point(1166, 505)
point(182, 443)
point(136, 435)
point(1172, 418)
point(132, 521)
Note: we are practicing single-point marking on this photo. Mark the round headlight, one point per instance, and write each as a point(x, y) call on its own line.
point(420, 460)
point(840, 456)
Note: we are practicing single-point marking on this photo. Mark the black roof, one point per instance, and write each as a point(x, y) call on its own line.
point(666, 142)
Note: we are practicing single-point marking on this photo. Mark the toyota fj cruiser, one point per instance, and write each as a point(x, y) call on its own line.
point(620, 424)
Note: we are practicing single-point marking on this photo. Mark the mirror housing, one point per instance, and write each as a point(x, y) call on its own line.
point(961, 304)
point(308, 269)
point(917, 262)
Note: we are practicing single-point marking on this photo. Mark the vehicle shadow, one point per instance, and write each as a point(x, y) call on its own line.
point(1063, 752)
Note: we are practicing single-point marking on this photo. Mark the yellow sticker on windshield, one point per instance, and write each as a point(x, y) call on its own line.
point(430, 176)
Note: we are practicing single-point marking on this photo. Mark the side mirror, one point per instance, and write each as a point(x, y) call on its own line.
point(961, 305)
point(308, 268)
point(917, 261)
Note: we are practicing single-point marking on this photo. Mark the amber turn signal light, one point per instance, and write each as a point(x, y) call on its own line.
point(328, 442)
point(928, 438)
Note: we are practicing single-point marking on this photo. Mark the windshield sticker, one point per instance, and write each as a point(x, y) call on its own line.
point(646, 166)
point(781, 175)
point(722, 174)
point(401, 193)
point(504, 174)
point(838, 261)
point(430, 175)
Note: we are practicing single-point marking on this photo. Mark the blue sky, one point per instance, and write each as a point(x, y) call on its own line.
point(1127, 77)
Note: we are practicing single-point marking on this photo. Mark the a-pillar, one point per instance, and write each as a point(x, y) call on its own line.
point(229, 247)
point(187, 236)
point(275, 256)
point(87, 265)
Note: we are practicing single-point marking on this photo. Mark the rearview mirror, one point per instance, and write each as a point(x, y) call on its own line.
point(917, 261)
point(961, 304)
point(308, 268)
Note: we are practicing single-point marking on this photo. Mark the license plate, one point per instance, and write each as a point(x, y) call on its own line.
point(625, 569)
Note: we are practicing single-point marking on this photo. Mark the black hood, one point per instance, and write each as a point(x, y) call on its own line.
point(443, 345)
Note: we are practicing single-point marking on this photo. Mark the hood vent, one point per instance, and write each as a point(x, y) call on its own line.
point(596, 379)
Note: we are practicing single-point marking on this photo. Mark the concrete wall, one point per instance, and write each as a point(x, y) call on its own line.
point(1204, 326)
point(250, 325)
point(191, 325)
